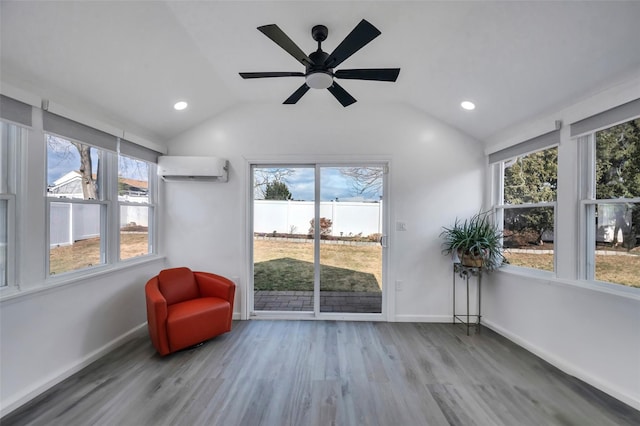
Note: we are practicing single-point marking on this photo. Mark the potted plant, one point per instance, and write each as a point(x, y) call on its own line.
point(475, 242)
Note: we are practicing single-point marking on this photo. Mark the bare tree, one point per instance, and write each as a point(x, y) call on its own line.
point(62, 150)
point(89, 183)
point(365, 181)
point(262, 177)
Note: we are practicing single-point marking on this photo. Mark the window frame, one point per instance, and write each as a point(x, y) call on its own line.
point(499, 206)
point(588, 204)
point(109, 214)
point(11, 193)
point(104, 201)
point(151, 205)
point(10, 274)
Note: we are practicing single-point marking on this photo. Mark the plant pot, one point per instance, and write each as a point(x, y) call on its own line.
point(471, 261)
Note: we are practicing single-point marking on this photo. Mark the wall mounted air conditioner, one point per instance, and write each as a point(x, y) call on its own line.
point(183, 168)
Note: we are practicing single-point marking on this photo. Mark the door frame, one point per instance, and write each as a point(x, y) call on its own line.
point(315, 162)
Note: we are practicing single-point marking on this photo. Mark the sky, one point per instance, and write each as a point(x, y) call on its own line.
point(62, 157)
point(334, 184)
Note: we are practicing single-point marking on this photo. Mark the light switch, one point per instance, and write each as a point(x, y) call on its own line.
point(401, 226)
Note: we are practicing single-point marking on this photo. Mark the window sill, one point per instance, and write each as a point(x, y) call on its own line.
point(548, 277)
point(53, 283)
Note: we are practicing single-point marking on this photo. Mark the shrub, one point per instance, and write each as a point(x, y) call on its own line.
point(325, 226)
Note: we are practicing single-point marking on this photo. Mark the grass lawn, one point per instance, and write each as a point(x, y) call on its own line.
point(615, 269)
point(344, 267)
point(85, 253)
point(284, 265)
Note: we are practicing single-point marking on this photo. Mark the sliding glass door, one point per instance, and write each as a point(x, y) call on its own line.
point(351, 219)
point(318, 239)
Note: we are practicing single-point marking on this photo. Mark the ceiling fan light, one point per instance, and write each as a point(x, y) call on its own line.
point(319, 80)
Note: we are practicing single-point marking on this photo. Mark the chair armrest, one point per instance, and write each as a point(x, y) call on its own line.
point(212, 285)
point(157, 316)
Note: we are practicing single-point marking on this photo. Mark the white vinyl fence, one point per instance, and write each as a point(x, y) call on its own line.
point(293, 217)
point(74, 222)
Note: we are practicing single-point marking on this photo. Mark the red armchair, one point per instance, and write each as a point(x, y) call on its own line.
point(185, 308)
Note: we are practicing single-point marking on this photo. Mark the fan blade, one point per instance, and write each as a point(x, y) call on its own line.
point(341, 95)
point(297, 94)
point(362, 34)
point(281, 39)
point(378, 74)
point(270, 74)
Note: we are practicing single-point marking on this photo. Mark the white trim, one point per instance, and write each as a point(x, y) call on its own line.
point(619, 290)
point(525, 205)
point(77, 278)
point(317, 165)
point(611, 201)
point(566, 366)
point(58, 376)
point(424, 318)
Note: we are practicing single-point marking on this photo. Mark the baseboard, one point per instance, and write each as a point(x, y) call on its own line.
point(565, 366)
point(55, 378)
point(237, 316)
point(423, 318)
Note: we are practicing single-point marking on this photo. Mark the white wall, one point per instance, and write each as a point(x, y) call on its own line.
point(581, 327)
point(436, 174)
point(592, 335)
point(50, 334)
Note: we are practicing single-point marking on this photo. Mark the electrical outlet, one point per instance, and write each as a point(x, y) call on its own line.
point(399, 285)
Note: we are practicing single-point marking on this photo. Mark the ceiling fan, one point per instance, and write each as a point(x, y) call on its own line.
point(320, 65)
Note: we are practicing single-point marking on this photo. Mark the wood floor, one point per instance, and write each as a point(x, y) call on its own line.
point(325, 373)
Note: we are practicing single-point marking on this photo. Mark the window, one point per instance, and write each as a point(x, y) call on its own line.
point(77, 207)
point(100, 197)
point(9, 153)
point(612, 204)
point(525, 186)
point(135, 199)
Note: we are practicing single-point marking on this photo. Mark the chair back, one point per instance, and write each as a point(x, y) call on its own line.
point(178, 285)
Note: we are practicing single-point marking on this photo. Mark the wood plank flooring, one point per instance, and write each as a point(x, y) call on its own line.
point(326, 373)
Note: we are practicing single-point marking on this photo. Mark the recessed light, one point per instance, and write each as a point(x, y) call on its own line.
point(179, 106)
point(468, 105)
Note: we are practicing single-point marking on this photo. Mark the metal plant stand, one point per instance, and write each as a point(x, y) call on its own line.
point(465, 272)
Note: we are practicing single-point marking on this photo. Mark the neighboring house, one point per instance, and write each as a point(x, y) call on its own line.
point(132, 188)
point(69, 186)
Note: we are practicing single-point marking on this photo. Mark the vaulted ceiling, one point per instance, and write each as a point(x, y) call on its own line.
point(130, 61)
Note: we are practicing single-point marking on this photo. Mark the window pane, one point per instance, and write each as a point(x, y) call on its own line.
point(134, 231)
point(531, 178)
point(133, 180)
point(4, 241)
point(617, 247)
point(72, 169)
point(618, 161)
point(74, 236)
point(4, 157)
point(529, 237)
point(9, 142)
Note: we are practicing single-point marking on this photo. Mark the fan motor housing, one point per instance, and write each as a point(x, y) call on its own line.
point(318, 57)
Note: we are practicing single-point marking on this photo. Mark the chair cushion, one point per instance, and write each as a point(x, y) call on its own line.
point(197, 320)
point(178, 285)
